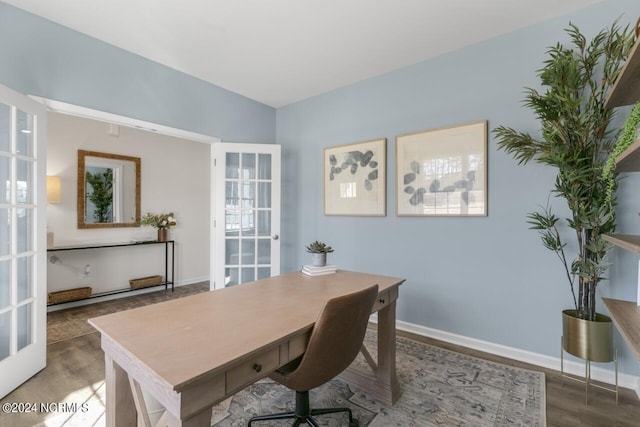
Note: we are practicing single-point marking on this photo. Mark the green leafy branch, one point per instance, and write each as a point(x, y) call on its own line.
point(627, 138)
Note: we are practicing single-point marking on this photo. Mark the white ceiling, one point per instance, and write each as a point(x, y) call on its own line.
point(282, 51)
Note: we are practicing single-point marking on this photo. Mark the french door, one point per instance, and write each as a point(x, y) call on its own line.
point(246, 209)
point(22, 239)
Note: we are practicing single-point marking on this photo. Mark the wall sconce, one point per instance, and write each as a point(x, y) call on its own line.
point(53, 189)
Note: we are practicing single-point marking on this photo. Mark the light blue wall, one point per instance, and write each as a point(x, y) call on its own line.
point(487, 278)
point(42, 58)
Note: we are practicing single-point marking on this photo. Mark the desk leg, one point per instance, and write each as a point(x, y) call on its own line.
point(202, 419)
point(120, 407)
point(383, 383)
point(386, 375)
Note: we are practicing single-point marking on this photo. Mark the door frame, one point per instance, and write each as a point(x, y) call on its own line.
point(88, 113)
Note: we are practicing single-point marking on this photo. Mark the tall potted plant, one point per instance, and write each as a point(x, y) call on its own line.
point(576, 139)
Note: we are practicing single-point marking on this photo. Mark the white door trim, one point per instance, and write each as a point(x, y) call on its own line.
point(88, 113)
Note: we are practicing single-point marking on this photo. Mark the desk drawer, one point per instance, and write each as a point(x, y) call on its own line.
point(253, 369)
point(382, 300)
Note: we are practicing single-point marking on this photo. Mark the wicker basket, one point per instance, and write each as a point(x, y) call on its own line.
point(67, 295)
point(144, 282)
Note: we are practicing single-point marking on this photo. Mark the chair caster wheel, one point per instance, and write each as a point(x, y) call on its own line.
point(354, 423)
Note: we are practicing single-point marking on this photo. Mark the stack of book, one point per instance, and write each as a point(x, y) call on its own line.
point(311, 270)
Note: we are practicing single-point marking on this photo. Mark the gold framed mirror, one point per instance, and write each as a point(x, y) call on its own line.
point(108, 190)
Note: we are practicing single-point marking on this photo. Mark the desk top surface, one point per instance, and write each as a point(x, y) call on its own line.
point(188, 338)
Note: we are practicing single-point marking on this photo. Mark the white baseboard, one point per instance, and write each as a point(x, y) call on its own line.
point(572, 367)
point(193, 280)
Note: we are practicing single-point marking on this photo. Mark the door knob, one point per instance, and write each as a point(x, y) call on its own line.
point(276, 237)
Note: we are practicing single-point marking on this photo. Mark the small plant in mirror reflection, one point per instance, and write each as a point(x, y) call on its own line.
point(158, 221)
point(100, 193)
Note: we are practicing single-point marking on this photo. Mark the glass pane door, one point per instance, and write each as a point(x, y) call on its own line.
point(22, 235)
point(247, 212)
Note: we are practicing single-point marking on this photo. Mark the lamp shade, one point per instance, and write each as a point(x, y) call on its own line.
point(53, 189)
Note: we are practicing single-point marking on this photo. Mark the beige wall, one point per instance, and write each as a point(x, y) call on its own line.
point(175, 178)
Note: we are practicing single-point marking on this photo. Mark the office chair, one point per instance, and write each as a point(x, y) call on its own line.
point(335, 342)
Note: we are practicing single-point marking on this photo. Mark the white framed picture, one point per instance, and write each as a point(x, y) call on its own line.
point(442, 172)
point(355, 179)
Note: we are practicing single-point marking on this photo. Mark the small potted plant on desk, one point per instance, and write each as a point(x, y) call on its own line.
point(319, 251)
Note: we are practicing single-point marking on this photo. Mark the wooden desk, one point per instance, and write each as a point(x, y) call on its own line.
point(191, 353)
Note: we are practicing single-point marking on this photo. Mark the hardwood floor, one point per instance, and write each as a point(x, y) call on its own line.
point(74, 375)
point(71, 376)
point(75, 366)
point(566, 399)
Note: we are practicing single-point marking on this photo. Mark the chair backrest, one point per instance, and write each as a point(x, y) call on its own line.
point(335, 340)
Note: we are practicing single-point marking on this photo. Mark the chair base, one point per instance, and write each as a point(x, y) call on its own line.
point(303, 413)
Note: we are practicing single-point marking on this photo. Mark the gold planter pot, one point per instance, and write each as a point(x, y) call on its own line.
point(591, 340)
point(587, 339)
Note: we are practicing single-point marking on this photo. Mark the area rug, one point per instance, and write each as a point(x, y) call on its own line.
point(70, 323)
point(439, 388)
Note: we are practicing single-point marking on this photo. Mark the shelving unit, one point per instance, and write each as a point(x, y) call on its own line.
point(626, 91)
point(627, 321)
point(166, 244)
point(624, 241)
point(629, 159)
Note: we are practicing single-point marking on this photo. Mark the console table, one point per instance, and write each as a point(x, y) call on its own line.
point(166, 244)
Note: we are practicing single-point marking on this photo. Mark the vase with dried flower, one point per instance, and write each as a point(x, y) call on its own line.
point(160, 221)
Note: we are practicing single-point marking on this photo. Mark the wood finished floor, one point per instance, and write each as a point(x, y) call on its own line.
point(68, 374)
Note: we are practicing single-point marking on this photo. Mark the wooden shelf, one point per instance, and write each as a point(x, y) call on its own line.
point(114, 292)
point(626, 317)
point(626, 89)
point(629, 159)
point(625, 241)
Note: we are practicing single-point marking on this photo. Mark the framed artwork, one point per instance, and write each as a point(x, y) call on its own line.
point(442, 172)
point(355, 179)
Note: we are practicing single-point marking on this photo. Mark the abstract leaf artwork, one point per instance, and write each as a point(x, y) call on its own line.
point(442, 172)
point(355, 179)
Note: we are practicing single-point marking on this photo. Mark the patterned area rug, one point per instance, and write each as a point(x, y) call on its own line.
point(70, 323)
point(439, 388)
